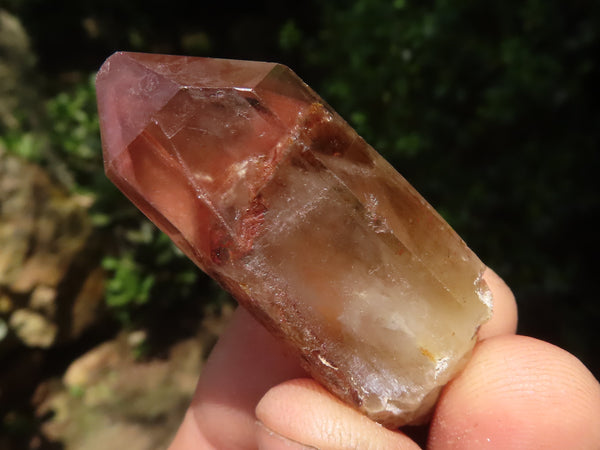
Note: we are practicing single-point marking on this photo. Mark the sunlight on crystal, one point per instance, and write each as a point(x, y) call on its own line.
point(275, 196)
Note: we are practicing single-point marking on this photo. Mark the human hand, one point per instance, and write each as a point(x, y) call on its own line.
point(515, 393)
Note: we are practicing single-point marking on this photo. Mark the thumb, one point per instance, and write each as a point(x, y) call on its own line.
point(303, 412)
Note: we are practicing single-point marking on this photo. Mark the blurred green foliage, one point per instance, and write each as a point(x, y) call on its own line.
point(22, 143)
point(142, 263)
point(74, 130)
point(129, 285)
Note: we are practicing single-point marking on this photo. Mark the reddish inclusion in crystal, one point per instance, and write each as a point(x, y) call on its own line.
point(151, 106)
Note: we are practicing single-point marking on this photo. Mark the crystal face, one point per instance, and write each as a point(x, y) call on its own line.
point(275, 196)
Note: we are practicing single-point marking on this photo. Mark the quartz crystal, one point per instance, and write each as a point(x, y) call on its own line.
point(275, 196)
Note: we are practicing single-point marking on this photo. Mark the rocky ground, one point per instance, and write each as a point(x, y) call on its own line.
point(71, 375)
point(68, 377)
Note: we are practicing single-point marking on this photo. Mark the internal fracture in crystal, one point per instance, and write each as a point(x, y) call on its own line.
point(276, 197)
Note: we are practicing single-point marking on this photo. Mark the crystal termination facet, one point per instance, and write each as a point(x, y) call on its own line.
point(275, 196)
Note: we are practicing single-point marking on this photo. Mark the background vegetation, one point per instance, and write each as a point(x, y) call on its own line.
point(491, 109)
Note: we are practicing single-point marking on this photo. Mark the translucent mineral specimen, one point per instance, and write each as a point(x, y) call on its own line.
point(274, 195)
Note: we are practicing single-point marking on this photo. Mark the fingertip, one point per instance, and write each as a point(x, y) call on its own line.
point(505, 315)
point(304, 412)
point(267, 439)
point(519, 392)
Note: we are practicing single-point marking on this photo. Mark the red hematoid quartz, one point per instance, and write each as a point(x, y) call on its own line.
point(275, 196)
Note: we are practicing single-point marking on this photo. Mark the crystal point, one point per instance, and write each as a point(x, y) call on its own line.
point(271, 193)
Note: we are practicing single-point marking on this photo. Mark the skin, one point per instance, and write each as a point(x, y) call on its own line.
point(515, 393)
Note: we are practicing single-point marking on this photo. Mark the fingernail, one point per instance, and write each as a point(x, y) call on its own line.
point(270, 440)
